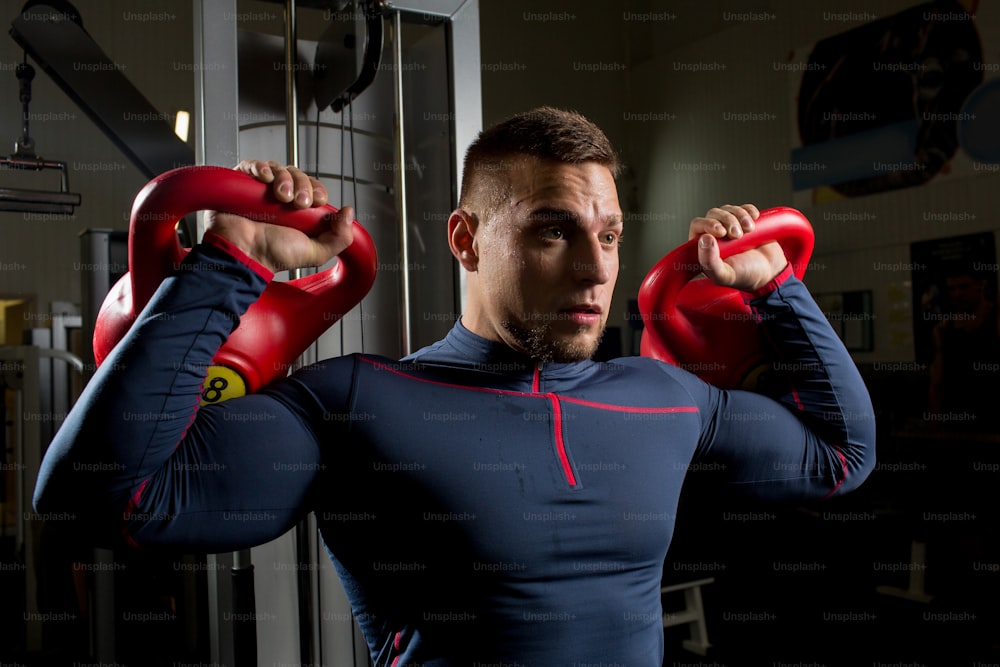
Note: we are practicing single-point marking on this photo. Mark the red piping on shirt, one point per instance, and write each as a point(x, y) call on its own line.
point(554, 399)
point(133, 504)
point(843, 465)
point(525, 394)
point(557, 420)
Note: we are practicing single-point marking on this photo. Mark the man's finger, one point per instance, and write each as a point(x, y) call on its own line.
point(301, 187)
point(701, 226)
point(711, 263)
point(320, 195)
point(731, 217)
point(754, 211)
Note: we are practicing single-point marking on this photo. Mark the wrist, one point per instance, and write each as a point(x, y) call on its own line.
point(239, 253)
point(763, 290)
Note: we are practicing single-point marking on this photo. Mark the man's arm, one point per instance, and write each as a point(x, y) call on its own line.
point(813, 434)
point(137, 460)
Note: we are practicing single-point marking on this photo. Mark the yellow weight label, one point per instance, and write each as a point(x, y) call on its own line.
point(221, 384)
point(752, 378)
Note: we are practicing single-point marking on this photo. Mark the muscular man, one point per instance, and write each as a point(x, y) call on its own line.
point(496, 497)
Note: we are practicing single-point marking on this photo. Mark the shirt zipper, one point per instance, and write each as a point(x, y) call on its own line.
point(557, 424)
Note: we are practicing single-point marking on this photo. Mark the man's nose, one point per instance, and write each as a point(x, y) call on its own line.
point(593, 262)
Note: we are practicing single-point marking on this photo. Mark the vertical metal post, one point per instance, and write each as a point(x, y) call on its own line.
point(217, 142)
point(404, 234)
point(467, 100)
point(306, 529)
point(292, 128)
point(291, 103)
point(29, 459)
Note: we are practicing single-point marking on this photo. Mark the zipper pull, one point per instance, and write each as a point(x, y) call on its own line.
point(536, 381)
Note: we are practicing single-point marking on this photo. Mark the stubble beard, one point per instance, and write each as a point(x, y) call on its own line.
point(539, 343)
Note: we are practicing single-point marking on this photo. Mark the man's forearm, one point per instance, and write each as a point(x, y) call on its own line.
point(143, 398)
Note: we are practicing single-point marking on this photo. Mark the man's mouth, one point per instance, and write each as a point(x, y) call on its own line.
point(583, 314)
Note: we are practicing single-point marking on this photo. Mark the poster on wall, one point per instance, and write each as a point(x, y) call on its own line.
point(957, 328)
point(955, 282)
point(902, 101)
point(850, 314)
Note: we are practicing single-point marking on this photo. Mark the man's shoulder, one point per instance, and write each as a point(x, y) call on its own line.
point(647, 364)
point(638, 370)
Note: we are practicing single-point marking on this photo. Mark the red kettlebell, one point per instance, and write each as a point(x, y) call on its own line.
point(287, 317)
point(691, 322)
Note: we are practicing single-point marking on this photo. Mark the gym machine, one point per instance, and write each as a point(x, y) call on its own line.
point(379, 104)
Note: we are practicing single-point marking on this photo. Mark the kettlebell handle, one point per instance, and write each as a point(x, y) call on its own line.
point(155, 252)
point(659, 292)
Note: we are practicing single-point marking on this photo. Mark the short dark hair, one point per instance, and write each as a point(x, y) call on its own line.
point(544, 133)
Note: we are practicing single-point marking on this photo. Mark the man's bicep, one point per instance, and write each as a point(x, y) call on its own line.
point(769, 452)
point(242, 475)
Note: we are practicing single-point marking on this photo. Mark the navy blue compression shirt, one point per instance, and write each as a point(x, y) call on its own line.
point(479, 508)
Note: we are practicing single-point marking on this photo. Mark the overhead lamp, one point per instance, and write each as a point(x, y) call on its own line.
point(34, 201)
point(181, 124)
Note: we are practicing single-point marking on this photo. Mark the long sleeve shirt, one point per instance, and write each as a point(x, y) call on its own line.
point(479, 507)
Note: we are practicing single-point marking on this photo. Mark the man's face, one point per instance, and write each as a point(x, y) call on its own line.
point(548, 260)
point(965, 293)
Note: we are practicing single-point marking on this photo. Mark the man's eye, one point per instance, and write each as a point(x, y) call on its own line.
point(553, 233)
point(612, 239)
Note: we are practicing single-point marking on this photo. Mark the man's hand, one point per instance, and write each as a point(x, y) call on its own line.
point(747, 271)
point(283, 248)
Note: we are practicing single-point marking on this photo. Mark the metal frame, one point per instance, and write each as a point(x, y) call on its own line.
point(35, 396)
point(101, 90)
point(466, 81)
point(217, 142)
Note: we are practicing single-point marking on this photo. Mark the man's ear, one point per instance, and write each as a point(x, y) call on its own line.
point(462, 227)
